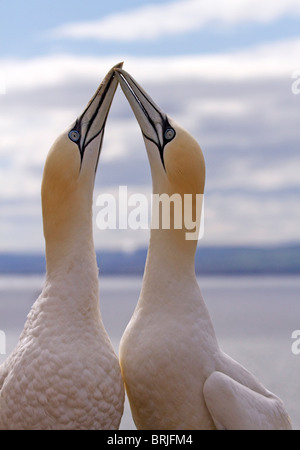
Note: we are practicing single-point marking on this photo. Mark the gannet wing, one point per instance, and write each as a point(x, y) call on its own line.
point(234, 406)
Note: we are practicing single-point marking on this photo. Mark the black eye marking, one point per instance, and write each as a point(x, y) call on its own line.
point(74, 135)
point(169, 134)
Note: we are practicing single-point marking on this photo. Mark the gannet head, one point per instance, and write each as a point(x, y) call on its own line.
point(176, 159)
point(69, 172)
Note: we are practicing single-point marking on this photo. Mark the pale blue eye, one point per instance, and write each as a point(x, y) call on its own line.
point(74, 135)
point(169, 134)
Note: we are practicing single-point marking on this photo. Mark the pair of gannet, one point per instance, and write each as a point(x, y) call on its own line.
point(175, 373)
point(63, 373)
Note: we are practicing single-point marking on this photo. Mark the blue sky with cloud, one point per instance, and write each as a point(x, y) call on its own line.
point(143, 27)
point(221, 69)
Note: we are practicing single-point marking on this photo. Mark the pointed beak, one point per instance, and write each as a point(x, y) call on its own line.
point(91, 122)
point(153, 121)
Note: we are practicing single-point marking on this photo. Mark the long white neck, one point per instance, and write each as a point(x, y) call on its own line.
point(72, 273)
point(169, 267)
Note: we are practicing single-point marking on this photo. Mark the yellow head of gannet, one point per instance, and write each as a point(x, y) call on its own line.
point(69, 174)
point(178, 173)
point(63, 373)
point(175, 374)
point(175, 157)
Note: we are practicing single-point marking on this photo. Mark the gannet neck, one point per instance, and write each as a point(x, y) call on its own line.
point(170, 250)
point(74, 263)
point(166, 271)
point(70, 255)
point(71, 238)
point(63, 372)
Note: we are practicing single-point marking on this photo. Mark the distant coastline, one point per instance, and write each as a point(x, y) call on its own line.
point(221, 260)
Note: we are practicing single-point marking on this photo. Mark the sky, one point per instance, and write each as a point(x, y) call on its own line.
point(229, 72)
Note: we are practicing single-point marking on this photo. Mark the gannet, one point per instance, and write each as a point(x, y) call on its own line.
point(63, 372)
point(176, 375)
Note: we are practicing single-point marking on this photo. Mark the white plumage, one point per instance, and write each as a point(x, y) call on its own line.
point(175, 373)
point(63, 373)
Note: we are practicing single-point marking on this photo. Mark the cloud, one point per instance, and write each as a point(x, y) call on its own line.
point(156, 21)
point(240, 106)
point(240, 219)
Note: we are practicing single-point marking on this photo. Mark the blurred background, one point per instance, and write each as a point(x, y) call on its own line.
point(229, 72)
point(224, 70)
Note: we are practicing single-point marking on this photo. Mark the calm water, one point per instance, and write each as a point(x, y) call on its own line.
point(254, 318)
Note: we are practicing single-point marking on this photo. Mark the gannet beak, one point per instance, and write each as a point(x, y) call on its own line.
point(153, 122)
point(91, 123)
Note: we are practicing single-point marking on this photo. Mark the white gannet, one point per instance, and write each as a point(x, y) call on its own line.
point(175, 373)
point(63, 373)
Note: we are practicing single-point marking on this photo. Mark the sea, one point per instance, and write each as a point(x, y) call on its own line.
point(256, 319)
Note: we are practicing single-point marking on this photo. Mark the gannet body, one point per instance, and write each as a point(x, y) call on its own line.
point(175, 373)
point(63, 373)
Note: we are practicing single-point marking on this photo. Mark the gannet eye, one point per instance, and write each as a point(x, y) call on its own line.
point(169, 134)
point(74, 135)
